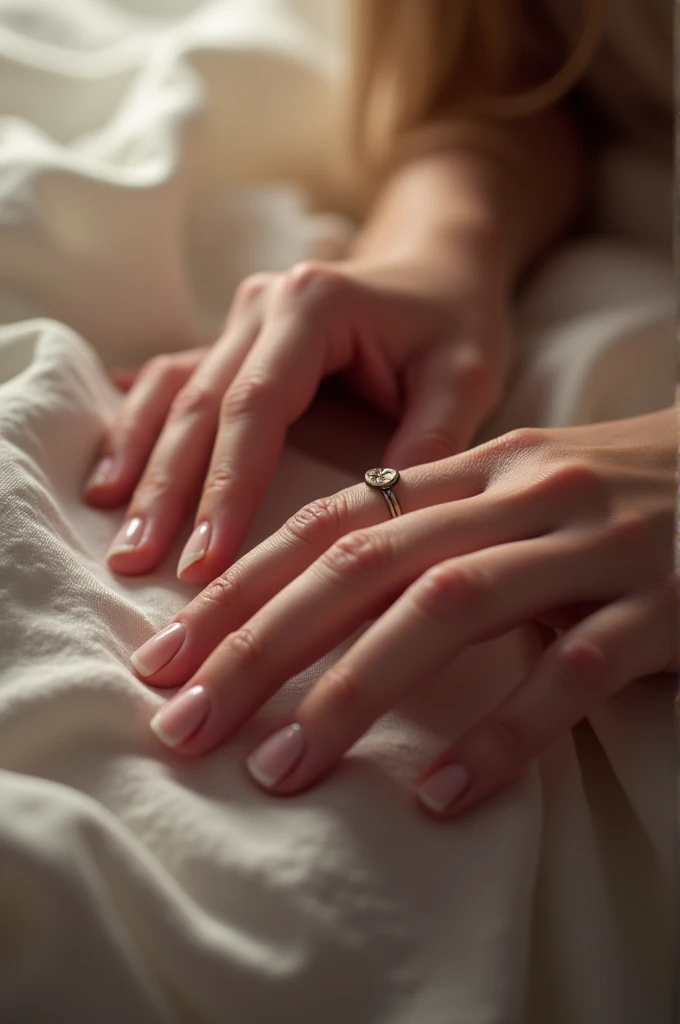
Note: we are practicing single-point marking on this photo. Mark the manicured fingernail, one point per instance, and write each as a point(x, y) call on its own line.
point(440, 789)
point(277, 756)
point(157, 652)
point(195, 548)
point(128, 537)
point(102, 473)
point(181, 716)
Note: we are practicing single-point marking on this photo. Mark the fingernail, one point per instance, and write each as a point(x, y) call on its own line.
point(127, 538)
point(181, 716)
point(440, 789)
point(195, 548)
point(277, 756)
point(102, 473)
point(159, 650)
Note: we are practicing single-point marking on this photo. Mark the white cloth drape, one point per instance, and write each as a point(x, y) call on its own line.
point(136, 886)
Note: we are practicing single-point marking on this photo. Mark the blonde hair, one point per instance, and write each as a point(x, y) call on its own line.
point(424, 63)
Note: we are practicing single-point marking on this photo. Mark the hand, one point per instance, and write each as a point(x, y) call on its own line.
point(429, 348)
point(572, 526)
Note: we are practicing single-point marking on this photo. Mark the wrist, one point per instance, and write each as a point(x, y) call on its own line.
point(444, 214)
point(466, 259)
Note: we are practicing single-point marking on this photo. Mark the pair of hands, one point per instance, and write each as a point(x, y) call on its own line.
point(570, 527)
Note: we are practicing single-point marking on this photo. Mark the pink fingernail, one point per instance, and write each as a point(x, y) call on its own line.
point(157, 652)
point(277, 756)
point(195, 548)
point(102, 473)
point(128, 537)
point(440, 789)
point(181, 716)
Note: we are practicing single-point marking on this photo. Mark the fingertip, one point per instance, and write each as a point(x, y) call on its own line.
point(440, 792)
point(104, 495)
point(128, 560)
point(195, 550)
point(121, 560)
point(102, 473)
point(185, 564)
point(201, 562)
point(192, 569)
point(109, 484)
point(196, 572)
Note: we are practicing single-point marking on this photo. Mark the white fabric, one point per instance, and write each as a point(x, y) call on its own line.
point(136, 886)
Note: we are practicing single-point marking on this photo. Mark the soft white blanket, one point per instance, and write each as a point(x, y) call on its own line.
point(137, 886)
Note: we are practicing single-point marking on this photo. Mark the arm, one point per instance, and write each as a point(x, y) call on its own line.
point(505, 192)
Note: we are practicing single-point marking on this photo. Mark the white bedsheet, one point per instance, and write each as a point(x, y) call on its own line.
point(136, 886)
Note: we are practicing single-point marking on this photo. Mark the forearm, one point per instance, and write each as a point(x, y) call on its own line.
point(504, 208)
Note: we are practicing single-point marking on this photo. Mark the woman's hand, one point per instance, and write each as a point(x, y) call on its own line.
point(571, 526)
point(429, 349)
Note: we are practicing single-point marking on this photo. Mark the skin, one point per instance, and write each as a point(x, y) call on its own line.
point(418, 319)
point(569, 527)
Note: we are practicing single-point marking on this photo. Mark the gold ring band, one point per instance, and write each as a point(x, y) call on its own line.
point(383, 480)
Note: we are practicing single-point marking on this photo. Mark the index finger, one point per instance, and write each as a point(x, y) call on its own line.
point(274, 386)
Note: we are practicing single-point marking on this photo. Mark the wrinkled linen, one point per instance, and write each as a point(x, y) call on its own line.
point(135, 152)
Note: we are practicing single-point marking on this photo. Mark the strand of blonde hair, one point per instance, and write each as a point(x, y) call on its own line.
point(426, 62)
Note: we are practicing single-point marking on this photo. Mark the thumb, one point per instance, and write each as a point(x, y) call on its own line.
point(448, 390)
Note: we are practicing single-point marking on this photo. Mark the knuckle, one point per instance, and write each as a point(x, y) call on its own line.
point(316, 522)
point(578, 480)
point(155, 484)
point(245, 647)
point(194, 400)
point(581, 669)
point(314, 279)
point(566, 483)
point(523, 439)
point(223, 591)
point(246, 394)
point(446, 591)
point(510, 739)
point(340, 691)
point(220, 480)
point(358, 553)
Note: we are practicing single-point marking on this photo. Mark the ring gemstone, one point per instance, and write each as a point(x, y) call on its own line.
point(381, 478)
